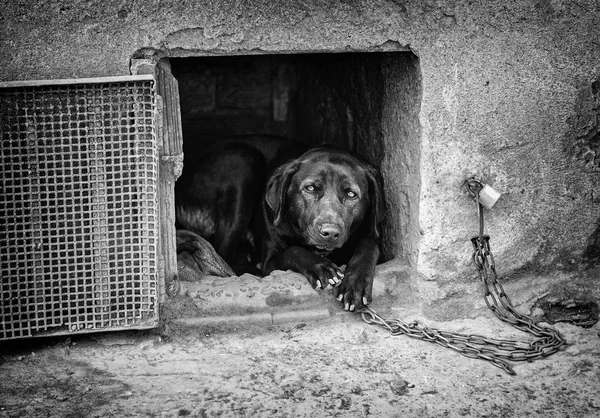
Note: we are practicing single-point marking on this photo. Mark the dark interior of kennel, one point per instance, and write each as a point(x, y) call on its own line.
point(354, 100)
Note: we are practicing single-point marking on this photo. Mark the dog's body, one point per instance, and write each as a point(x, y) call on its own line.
point(216, 198)
point(322, 210)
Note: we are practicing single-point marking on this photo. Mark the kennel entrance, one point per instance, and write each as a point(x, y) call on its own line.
point(367, 102)
point(79, 206)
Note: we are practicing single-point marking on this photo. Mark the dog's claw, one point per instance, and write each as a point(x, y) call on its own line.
point(335, 281)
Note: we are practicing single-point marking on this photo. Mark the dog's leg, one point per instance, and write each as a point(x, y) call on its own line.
point(319, 271)
point(356, 289)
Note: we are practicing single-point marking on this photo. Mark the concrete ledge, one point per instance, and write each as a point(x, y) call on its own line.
point(280, 298)
point(250, 319)
point(252, 292)
point(285, 290)
point(265, 318)
point(301, 316)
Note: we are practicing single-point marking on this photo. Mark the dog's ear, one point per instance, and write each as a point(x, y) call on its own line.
point(277, 188)
point(376, 199)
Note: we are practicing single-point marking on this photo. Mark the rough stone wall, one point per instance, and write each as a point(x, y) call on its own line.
point(509, 94)
point(511, 111)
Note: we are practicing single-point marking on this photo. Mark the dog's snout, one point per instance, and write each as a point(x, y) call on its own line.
point(330, 232)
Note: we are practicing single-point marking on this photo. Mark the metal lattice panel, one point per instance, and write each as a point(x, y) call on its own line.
point(78, 207)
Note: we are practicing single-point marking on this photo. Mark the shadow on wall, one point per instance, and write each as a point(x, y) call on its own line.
point(591, 255)
point(584, 146)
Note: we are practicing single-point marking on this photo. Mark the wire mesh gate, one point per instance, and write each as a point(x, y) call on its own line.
point(78, 206)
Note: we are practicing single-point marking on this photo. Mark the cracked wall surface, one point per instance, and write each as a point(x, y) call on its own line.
point(509, 94)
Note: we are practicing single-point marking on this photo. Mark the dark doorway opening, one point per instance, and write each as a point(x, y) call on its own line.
point(365, 102)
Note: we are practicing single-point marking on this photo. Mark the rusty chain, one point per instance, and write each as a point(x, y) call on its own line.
point(499, 352)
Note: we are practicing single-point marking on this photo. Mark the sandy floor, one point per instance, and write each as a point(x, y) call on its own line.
point(338, 367)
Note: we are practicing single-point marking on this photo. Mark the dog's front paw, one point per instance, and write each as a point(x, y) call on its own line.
point(323, 272)
point(356, 289)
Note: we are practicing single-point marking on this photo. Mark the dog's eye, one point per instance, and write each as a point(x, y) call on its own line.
point(309, 188)
point(351, 195)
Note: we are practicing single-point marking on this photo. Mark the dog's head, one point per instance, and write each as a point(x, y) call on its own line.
point(324, 196)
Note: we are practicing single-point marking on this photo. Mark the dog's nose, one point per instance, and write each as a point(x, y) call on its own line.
point(330, 232)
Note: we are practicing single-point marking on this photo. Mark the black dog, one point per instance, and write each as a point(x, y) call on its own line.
point(216, 197)
point(322, 210)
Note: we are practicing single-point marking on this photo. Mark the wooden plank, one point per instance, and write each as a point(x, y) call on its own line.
point(171, 158)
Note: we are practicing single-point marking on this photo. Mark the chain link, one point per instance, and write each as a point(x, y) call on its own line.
point(498, 352)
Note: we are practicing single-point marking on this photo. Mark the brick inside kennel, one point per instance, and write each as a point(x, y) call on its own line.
point(78, 206)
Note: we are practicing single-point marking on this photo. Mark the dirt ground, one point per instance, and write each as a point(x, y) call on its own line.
point(337, 367)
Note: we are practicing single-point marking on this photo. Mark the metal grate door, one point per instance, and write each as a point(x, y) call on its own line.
point(78, 206)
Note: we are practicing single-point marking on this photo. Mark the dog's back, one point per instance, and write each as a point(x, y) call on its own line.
point(216, 197)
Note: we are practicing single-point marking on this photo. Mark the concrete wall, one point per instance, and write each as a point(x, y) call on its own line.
point(510, 93)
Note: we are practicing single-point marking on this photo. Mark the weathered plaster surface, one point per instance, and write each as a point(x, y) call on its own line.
point(510, 94)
